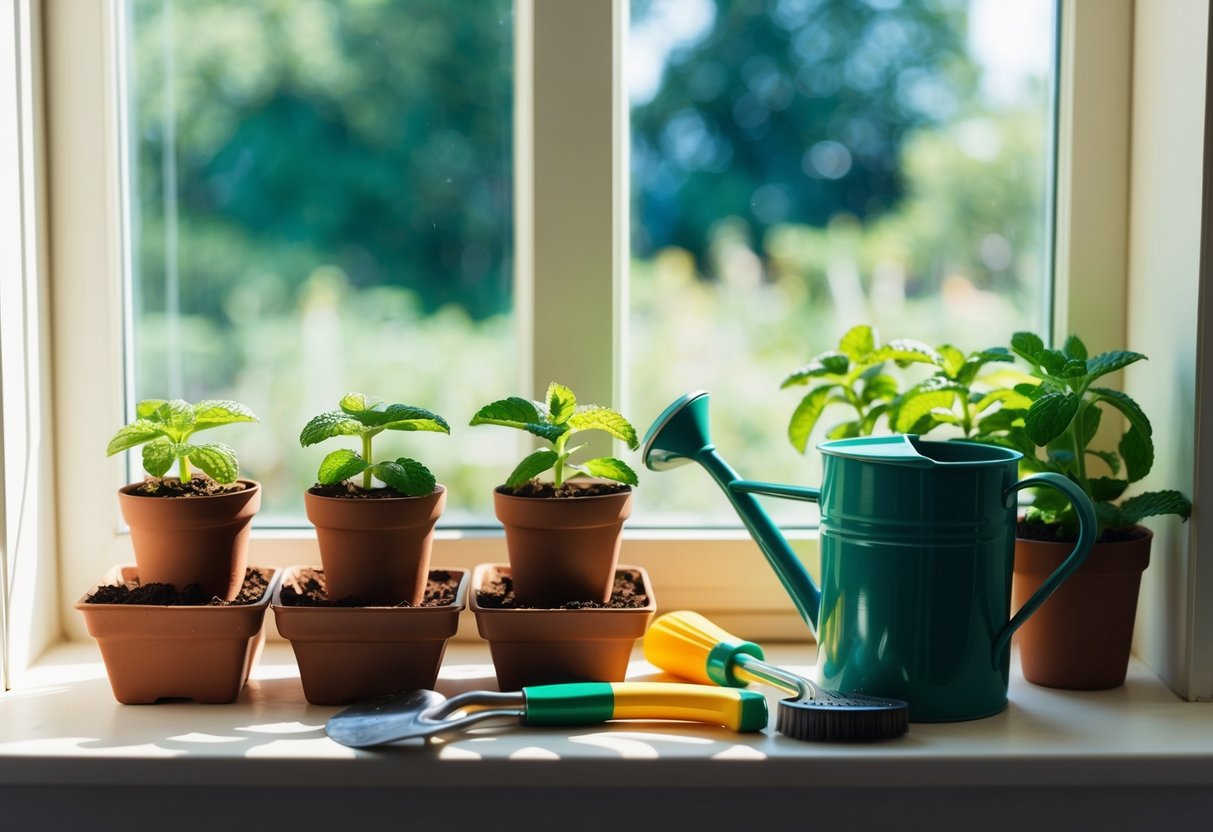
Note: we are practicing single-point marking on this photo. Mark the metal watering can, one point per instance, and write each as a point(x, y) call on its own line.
point(917, 550)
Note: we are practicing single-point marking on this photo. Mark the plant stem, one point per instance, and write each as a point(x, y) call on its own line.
point(366, 457)
point(183, 468)
point(558, 470)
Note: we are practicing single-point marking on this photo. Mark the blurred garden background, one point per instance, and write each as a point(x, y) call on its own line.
point(321, 202)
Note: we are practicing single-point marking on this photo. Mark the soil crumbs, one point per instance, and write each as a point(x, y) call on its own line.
point(256, 582)
point(627, 593)
point(1052, 534)
point(346, 490)
point(534, 488)
point(308, 590)
point(196, 487)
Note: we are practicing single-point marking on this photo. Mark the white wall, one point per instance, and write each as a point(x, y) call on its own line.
point(1163, 317)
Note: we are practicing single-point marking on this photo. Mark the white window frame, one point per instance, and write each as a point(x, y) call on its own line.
point(571, 243)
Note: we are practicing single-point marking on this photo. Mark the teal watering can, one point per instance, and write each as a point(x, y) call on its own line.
point(917, 546)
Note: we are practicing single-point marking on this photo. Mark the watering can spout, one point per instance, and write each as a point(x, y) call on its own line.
point(681, 435)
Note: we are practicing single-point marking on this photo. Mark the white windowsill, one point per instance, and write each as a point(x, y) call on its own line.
point(61, 726)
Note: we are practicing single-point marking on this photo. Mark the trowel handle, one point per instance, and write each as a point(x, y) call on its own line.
point(1088, 529)
point(589, 703)
point(687, 644)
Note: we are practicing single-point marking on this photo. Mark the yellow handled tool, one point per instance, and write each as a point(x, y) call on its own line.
point(425, 713)
point(688, 645)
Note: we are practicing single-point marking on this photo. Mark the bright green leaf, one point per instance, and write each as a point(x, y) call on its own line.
point(561, 403)
point(136, 433)
point(330, 424)
point(845, 430)
point(339, 466)
point(805, 416)
point(878, 387)
point(825, 364)
point(609, 468)
point(1010, 400)
point(1137, 450)
point(217, 461)
point(531, 467)
point(354, 404)
point(953, 360)
point(934, 394)
point(868, 425)
point(408, 476)
point(1152, 504)
point(905, 351)
point(605, 419)
point(520, 413)
point(159, 456)
point(858, 342)
point(213, 413)
point(408, 418)
point(1050, 415)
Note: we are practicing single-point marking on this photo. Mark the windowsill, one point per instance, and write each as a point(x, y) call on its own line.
point(62, 726)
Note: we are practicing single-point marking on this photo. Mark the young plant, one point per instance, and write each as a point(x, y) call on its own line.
point(164, 427)
point(853, 375)
point(557, 419)
point(1064, 413)
point(955, 396)
point(366, 418)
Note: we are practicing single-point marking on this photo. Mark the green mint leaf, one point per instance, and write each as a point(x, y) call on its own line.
point(858, 342)
point(1110, 458)
point(408, 418)
point(330, 424)
point(975, 361)
point(1107, 489)
point(531, 467)
point(213, 413)
point(906, 352)
point(136, 433)
point(1109, 517)
point(1011, 400)
point(339, 466)
point(1051, 361)
point(408, 476)
point(520, 413)
point(879, 387)
point(931, 397)
point(561, 403)
point(356, 404)
point(609, 468)
point(868, 426)
point(1050, 415)
point(1073, 368)
point(1137, 450)
point(1122, 402)
point(146, 408)
point(1027, 346)
point(953, 360)
point(1110, 362)
point(1152, 504)
point(845, 430)
point(825, 364)
point(217, 461)
point(159, 456)
point(593, 417)
point(806, 414)
point(1087, 425)
point(1002, 419)
point(1075, 348)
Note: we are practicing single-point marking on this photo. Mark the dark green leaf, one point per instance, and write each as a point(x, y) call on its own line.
point(136, 433)
point(330, 424)
point(561, 403)
point(1087, 424)
point(1031, 391)
point(1002, 419)
point(609, 468)
point(531, 467)
point(593, 417)
point(972, 366)
point(213, 413)
point(1109, 516)
point(1107, 489)
point(1050, 415)
point(408, 418)
point(340, 466)
point(1051, 361)
point(216, 460)
point(1122, 402)
point(1027, 345)
point(1075, 348)
point(1109, 362)
point(806, 414)
point(858, 342)
point(159, 456)
point(517, 412)
point(868, 425)
point(825, 364)
point(1137, 450)
point(878, 387)
point(408, 476)
point(1073, 368)
point(1152, 504)
point(1110, 459)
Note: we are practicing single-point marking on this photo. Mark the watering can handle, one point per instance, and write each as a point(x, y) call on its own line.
point(770, 489)
point(1088, 528)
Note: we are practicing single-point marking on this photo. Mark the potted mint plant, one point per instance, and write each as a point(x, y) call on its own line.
point(374, 540)
point(563, 609)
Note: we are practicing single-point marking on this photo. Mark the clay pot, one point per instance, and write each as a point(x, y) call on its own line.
point(1081, 637)
point(192, 540)
point(548, 646)
point(376, 550)
point(155, 652)
point(347, 654)
point(562, 548)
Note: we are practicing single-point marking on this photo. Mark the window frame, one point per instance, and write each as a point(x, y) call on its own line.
point(570, 242)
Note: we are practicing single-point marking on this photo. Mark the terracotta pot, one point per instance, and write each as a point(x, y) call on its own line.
point(192, 540)
point(376, 550)
point(562, 548)
point(547, 646)
point(1080, 639)
point(155, 652)
point(347, 654)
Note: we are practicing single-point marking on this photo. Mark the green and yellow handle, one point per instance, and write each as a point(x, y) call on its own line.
point(590, 703)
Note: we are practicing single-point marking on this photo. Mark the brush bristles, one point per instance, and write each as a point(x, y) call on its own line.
point(818, 722)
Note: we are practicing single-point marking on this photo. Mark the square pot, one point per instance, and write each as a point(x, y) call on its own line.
point(151, 652)
point(548, 646)
point(347, 654)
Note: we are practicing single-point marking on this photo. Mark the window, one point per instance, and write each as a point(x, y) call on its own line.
point(569, 233)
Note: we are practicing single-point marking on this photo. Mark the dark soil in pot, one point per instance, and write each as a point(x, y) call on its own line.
point(256, 582)
point(628, 592)
point(308, 589)
point(547, 490)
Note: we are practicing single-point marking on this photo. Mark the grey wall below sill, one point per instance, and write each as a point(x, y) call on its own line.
point(182, 809)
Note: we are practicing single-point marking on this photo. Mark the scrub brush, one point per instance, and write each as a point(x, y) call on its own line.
point(689, 645)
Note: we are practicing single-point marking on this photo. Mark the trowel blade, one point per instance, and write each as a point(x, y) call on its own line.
point(387, 719)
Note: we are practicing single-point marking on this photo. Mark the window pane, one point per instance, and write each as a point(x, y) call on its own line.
point(320, 202)
point(800, 167)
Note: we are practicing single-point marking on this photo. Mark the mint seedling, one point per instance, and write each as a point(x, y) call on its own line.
point(557, 419)
point(163, 428)
point(366, 418)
